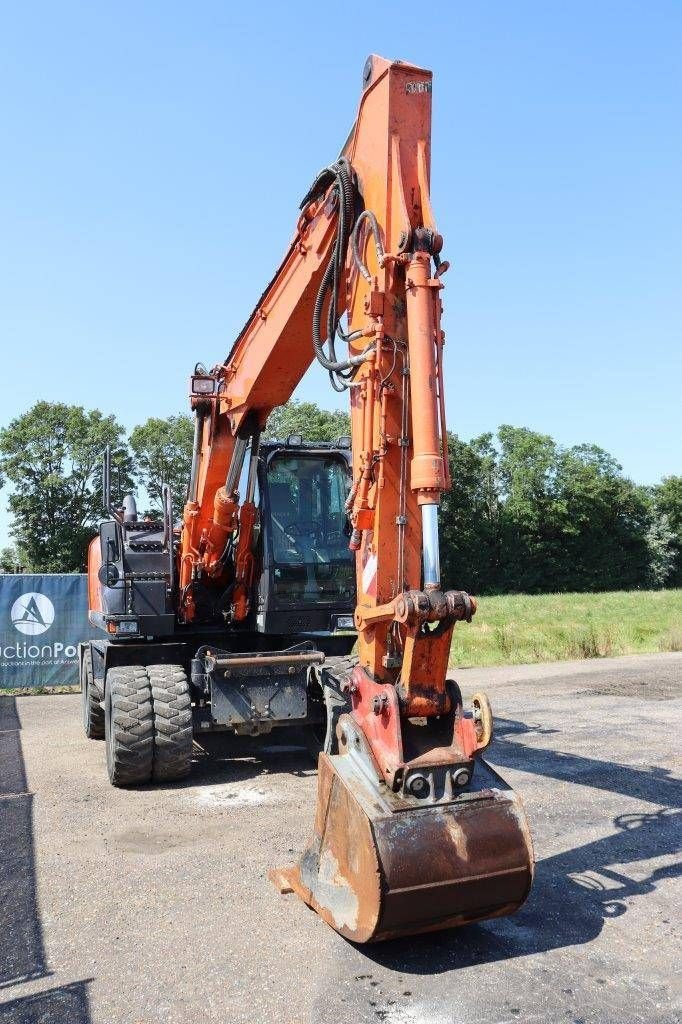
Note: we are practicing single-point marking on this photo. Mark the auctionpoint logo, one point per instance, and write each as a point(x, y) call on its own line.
point(32, 614)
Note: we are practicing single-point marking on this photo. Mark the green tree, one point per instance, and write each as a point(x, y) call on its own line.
point(526, 515)
point(307, 419)
point(606, 535)
point(668, 502)
point(661, 544)
point(470, 516)
point(52, 455)
point(162, 450)
point(532, 513)
point(11, 559)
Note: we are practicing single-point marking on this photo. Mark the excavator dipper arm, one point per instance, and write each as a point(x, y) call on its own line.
point(413, 830)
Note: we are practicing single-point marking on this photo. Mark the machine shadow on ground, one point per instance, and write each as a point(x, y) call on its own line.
point(22, 949)
point(67, 1004)
point(575, 891)
point(219, 759)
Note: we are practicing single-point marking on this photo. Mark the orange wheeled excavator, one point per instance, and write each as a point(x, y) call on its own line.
point(413, 830)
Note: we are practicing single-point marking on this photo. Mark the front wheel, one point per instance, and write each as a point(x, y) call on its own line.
point(128, 725)
point(173, 733)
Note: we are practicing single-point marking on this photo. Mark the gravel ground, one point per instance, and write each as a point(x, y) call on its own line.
point(133, 907)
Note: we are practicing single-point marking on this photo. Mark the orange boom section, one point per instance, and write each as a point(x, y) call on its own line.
point(413, 831)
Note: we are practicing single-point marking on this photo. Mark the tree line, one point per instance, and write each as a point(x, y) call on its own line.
point(52, 456)
point(524, 514)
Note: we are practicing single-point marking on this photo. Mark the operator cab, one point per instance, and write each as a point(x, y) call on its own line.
point(307, 578)
point(304, 587)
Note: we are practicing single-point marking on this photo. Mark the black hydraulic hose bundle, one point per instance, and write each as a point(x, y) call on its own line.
point(338, 178)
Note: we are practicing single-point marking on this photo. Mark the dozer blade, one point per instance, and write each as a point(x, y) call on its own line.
point(381, 865)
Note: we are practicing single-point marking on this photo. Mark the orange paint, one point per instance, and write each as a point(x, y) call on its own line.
point(397, 408)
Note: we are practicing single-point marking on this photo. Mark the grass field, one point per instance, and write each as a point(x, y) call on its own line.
point(518, 629)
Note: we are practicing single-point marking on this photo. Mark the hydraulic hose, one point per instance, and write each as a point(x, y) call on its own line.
point(339, 177)
point(378, 244)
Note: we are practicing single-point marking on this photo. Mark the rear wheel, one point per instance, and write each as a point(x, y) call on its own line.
point(91, 702)
point(128, 725)
point(327, 688)
point(172, 722)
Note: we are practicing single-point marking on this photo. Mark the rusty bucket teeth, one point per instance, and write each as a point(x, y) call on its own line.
point(381, 865)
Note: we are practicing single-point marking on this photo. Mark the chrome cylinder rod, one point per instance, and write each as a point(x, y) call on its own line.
point(430, 546)
point(236, 464)
point(253, 468)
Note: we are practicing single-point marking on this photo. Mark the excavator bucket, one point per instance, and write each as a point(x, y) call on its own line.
point(381, 865)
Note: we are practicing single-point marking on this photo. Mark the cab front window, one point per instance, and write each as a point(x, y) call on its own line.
point(309, 530)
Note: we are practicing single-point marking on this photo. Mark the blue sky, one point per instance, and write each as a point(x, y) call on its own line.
point(153, 155)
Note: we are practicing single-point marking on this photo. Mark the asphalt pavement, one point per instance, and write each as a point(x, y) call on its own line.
point(153, 905)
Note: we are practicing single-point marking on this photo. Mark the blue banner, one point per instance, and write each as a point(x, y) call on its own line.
point(42, 620)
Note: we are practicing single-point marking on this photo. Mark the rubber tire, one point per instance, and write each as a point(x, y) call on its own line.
point(128, 725)
point(173, 733)
point(91, 702)
point(331, 676)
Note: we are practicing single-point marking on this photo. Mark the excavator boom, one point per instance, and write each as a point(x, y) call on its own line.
point(413, 830)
